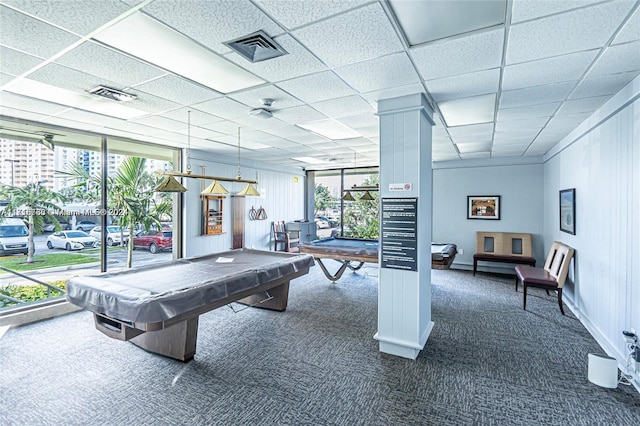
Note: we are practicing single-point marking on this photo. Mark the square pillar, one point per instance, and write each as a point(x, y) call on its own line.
point(404, 287)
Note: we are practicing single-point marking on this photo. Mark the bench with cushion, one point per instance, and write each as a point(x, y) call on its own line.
point(551, 277)
point(504, 247)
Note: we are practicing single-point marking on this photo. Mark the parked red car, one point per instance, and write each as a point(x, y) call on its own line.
point(154, 240)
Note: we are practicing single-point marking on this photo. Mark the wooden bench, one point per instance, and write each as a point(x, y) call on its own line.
point(551, 277)
point(505, 247)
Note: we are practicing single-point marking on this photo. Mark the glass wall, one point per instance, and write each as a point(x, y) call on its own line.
point(339, 206)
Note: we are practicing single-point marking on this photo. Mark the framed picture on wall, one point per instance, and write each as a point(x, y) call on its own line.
point(568, 210)
point(483, 207)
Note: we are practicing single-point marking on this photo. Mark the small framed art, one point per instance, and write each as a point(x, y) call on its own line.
point(483, 207)
point(568, 210)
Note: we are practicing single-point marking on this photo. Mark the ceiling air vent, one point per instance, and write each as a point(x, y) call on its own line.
point(111, 93)
point(256, 47)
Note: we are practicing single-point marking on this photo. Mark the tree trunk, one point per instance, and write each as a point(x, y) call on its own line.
point(130, 247)
point(32, 247)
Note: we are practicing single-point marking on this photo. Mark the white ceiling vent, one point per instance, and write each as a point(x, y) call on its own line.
point(256, 47)
point(111, 93)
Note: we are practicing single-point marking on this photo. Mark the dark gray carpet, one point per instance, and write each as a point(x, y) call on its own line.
point(487, 362)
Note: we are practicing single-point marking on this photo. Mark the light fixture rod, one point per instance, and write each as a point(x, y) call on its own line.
point(223, 179)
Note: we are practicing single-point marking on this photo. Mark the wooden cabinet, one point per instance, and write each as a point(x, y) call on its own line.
point(212, 214)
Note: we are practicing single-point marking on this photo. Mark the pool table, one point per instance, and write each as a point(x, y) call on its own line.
point(348, 250)
point(156, 307)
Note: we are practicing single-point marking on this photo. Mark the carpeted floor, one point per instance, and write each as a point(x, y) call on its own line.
point(486, 362)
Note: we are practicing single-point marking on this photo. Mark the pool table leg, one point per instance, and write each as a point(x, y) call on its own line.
point(279, 296)
point(337, 275)
point(177, 342)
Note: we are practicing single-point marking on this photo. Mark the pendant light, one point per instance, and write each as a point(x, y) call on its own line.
point(248, 190)
point(367, 196)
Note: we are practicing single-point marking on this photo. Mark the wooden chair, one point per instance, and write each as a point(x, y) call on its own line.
point(551, 277)
point(289, 238)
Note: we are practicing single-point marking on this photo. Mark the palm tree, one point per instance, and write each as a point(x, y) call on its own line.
point(38, 204)
point(130, 190)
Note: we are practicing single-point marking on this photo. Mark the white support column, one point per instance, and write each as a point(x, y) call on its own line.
point(404, 296)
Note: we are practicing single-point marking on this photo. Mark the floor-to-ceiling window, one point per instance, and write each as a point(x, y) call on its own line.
point(346, 202)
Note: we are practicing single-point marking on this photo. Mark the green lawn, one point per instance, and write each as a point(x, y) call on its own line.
point(18, 263)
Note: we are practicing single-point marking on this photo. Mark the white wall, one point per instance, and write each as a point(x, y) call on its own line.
point(280, 195)
point(520, 188)
point(601, 159)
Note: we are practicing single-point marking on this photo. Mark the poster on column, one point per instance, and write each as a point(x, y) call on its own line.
point(399, 234)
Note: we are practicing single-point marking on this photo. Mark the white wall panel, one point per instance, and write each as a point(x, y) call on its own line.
point(602, 161)
point(280, 195)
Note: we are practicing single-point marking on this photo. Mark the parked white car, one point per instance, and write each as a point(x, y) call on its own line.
point(113, 235)
point(71, 240)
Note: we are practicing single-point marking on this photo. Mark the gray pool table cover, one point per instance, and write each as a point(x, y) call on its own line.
point(156, 293)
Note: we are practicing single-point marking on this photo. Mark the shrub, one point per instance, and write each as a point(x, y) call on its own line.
point(29, 293)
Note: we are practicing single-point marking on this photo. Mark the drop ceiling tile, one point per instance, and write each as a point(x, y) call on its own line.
point(317, 87)
point(310, 139)
point(527, 123)
point(5, 78)
point(524, 10)
point(80, 17)
point(395, 92)
point(483, 131)
point(368, 119)
point(631, 31)
point(516, 134)
point(213, 22)
point(546, 71)
point(178, 89)
point(618, 59)
point(465, 85)
point(606, 85)
point(578, 30)
point(475, 155)
point(344, 107)
point(162, 123)
point(24, 103)
point(223, 107)
point(518, 113)
point(223, 126)
point(570, 120)
point(582, 105)
point(103, 62)
point(380, 73)
point(298, 62)
point(294, 13)
point(536, 95)
point(18, 113)
point(468, 147)
point(300, 114)
point(508, 140)
point(32, 36)
point(15, 63)
point(97, 121)
point(354, 36)
point(198, 118)
point(252, 97)
point(480, 51)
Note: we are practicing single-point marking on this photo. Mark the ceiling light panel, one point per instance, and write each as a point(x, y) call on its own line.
point(475, 110)
point(87, 102)
point(473, 146)
point(177, 53)
point(582, 29)
point(330, 129)
point(308, 160)
point(354, 36)
point(380, 73)
point(427, 21)
point(481, 51)
point(465, 85)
